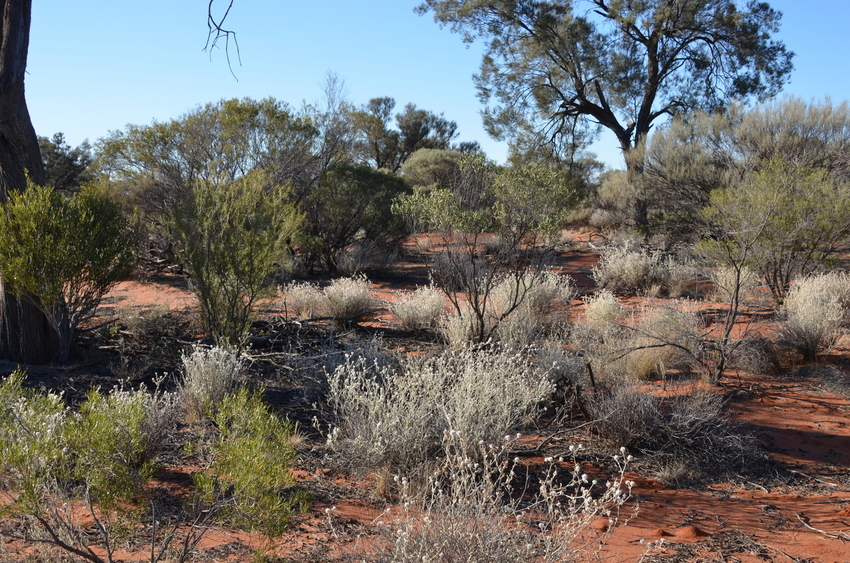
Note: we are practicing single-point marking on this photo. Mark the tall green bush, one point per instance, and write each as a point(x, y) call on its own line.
point(231, 237)
point(64, 253)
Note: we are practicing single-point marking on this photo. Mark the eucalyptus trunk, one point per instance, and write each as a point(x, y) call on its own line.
point(25, 334)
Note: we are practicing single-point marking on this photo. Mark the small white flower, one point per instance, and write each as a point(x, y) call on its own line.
point(548, 459)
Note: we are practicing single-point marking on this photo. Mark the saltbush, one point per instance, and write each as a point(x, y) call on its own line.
point(209, 374)
point(396, 418)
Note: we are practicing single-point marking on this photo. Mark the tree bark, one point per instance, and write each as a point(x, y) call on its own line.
point(25, 334)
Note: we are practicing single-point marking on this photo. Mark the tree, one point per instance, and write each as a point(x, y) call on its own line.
point(505, 211)
point(417, 129)
point(785, 222)
point(695, 154)
point(63, 253)
point(352, 203)
point(67, 168)
point(222, 140)
point(620, 64)
point(25, 334)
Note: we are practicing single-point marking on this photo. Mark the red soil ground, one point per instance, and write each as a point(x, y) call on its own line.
point(802, 428)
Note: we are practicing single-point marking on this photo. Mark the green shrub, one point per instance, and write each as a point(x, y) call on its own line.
point(231, 237)
point(54, 462)
point(352, 204)
point(250, 477)
point(64, 253)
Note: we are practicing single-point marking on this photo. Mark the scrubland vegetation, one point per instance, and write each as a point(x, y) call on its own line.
point(507, 342)
point(441, 398)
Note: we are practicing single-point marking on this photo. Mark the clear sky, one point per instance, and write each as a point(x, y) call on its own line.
point(98, 65)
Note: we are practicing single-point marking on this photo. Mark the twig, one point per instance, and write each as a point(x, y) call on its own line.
point(835, 535)
point(836, 485)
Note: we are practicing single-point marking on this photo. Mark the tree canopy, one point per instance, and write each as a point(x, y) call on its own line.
point(621, 64)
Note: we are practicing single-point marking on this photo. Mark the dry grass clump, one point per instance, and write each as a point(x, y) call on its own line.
point(628, 268)
point(642, 345)
point(348, 299)
point(518, 310)
point(813, 312)
point(724, 279)
point(466, 512)
point(395, 418)
point(686, 437)
point(665, 338)
point(419, 310)
point(832, 379)
point(301, 300)
point(345, 299)
point(209, 374)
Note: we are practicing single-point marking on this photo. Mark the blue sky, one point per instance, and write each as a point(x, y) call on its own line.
point(98, 65)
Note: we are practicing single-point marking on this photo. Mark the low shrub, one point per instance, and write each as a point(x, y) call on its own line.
point(813, 312)
point(250, 479)
point(688, 432)
point(148, 341)
point(56, 464)
point(603, 312)
point(208, 375)
point(626, 267)
point(466, 512)
point(641, 345)
point(419, 310)
point(396, 418)
point(519, 309)
point(301, 300)
point(665, 338)
point(348, 299)
point(366, 256)
point(724, 278)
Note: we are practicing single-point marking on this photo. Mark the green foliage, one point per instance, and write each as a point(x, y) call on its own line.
point(51, 455)
point(64, 253)
point(430, 167)
point(111, 451)
point(252, 464)
point(67, 168)
point(696, 154)
point(784, 223)
point(220, 141)
point(352, 202)
point(417, 129)
point(622, 65)
point(507, 212)
point(231, 236)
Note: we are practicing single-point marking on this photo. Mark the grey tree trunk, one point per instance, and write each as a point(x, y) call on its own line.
point(25, 334)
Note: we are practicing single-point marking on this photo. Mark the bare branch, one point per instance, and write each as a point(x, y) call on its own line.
point(216, 32)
